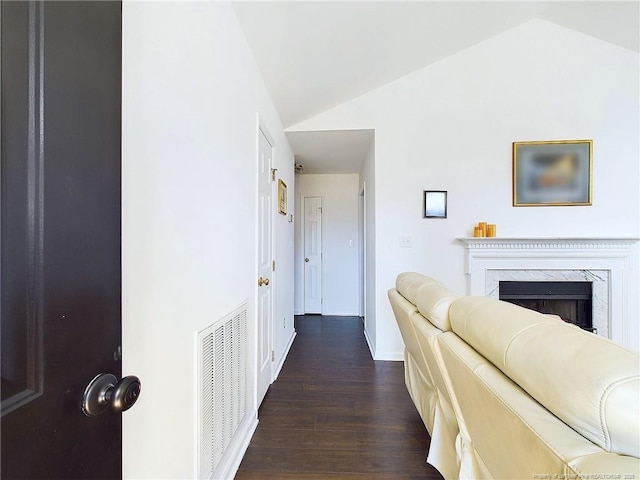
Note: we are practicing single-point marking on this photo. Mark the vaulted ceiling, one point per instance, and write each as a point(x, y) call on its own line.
point(316, 55)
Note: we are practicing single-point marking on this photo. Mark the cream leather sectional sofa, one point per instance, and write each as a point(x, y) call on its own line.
point(506, 392)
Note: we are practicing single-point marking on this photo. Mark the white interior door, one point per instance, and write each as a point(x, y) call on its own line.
point(264, 284)
point(313, 255)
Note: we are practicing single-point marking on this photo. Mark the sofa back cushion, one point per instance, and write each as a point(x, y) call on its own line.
point(589, 382)
point(431, 297)
point(433, 301)
point(506, 430)
point(408, 284)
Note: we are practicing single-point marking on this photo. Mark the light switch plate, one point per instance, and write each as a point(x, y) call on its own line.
point(406, 242)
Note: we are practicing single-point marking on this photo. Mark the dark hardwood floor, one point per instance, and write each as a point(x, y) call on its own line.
point(335, 413)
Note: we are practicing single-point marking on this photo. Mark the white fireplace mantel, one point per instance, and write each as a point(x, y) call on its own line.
point(559, 243)
point(615, 262)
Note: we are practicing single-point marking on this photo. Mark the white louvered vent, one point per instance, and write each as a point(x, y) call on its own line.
point(222, 387)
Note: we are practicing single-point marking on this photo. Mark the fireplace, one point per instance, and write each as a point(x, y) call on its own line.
point(571, 301)
point(609, 264)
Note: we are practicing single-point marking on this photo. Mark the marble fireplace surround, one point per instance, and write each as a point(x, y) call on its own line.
point(611, 264)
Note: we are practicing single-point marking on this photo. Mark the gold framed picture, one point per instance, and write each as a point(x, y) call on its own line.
point(282, 197)
point(552, 173)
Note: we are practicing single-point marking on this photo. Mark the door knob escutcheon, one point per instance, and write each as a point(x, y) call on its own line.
point(104, 392)
point(306, 259)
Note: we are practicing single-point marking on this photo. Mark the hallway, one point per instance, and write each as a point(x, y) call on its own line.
point(335, 413)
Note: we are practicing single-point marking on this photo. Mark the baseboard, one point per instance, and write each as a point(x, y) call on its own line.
point(284, 355)
point(369, 344)
point(298, 313)
point(341, 314)
point(389, 356)
point(384, 356)
point(230, 462)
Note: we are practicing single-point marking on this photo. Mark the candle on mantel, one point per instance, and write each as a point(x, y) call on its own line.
point(483, 229)
point(491, 230)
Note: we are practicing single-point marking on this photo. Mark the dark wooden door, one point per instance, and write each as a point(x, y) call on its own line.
point(60, 235)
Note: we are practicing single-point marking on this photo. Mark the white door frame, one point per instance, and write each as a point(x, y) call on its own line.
point(362, 197)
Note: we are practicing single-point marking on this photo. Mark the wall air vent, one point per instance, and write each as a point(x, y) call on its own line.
point(222, 387)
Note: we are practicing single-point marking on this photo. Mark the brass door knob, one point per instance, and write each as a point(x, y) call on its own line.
point(263, 281)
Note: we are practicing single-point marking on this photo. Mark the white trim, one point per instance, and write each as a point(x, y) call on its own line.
point(390, 356)
point(230, 462)
point(262, 127)
point(553, 243)
point(369, 343)
point(362, 254)
point(284, 356)
point(339, 313)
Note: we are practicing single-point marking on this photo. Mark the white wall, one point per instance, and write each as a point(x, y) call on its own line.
point(340, 275)
point(191, 91)
point(283, 277)
point(450, 126)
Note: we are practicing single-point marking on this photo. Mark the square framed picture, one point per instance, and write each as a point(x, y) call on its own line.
point(435, 204)
point(552, 173)
point(282, 197)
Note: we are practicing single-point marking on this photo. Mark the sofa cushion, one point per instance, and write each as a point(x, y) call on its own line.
point(589, 382)
point(408, 284)
point(433, 301)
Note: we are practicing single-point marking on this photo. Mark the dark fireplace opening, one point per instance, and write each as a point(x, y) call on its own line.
point(571, 301)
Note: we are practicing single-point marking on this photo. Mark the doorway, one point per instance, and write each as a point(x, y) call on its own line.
point(362, 253)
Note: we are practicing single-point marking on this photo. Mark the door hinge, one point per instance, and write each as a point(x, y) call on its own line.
point(273, 173)
point(273, 356)
point(273, 265)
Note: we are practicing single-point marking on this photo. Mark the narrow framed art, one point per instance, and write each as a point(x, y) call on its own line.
point(282, 197)
point(552, 173)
